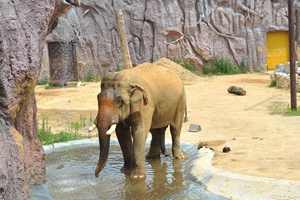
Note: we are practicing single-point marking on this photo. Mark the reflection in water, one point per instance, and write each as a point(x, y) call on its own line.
point(165, 178)
point(71, 177)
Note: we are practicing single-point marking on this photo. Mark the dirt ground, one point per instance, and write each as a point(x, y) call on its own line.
point(262, 143)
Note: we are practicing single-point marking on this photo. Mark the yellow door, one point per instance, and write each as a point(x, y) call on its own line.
point(277, 48)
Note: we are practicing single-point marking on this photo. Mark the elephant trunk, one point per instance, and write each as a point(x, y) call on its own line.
point(104, 122)
point(104, 142)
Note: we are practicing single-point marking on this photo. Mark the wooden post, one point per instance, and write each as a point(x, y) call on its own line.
point(291, 12)
point(123, 40)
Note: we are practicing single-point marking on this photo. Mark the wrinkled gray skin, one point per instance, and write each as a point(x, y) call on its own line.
point(140, 100)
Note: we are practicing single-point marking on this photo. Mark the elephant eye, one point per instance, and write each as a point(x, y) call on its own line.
point(119, 101)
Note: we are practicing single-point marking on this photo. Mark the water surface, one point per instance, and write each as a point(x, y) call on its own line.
point(71, 177)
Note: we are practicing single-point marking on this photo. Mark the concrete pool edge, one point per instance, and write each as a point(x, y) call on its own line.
point(239, 186)
point(228, 184)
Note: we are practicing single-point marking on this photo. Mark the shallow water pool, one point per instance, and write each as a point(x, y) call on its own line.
point(71, 177)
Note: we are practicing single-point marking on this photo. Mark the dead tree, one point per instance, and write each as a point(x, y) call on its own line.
point(123, 40)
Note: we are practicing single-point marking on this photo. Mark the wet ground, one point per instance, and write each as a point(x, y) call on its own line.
point(71, 177)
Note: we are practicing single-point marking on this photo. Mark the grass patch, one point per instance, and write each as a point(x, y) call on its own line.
point(223, 66)
point(291, 112)
point(46, 136)
point(51, 138)
point(281, 108)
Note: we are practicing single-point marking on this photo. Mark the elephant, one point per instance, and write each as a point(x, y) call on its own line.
point(148, 97)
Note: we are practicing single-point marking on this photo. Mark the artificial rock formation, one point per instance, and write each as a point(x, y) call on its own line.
point(24, 26)
point(197, 30)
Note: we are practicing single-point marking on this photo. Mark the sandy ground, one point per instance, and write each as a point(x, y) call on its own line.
point(261, 143)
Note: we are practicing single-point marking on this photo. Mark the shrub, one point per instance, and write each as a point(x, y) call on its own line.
point(187, 65)
point(90, 77)
point(224, 66)
point(243, 66)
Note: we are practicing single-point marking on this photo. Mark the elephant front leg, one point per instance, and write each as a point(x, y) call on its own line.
point(139, 140)
point(139, 134)
point(124, 137)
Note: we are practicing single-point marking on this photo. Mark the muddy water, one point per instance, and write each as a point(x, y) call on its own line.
point(71, 177)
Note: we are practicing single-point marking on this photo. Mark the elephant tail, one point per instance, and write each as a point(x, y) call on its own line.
point(185, 114)
point(185, 109)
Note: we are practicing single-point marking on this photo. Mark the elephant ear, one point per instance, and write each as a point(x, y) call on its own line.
point(138, 97)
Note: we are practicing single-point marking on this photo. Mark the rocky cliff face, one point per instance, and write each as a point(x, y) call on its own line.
point(193, 29)
point(24, 26)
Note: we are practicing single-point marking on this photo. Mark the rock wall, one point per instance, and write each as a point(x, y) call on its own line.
point(24, 26)
point(193, 29)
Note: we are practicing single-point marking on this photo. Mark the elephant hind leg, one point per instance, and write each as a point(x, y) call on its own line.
point(175, 129)
point(176, 150)
point(157, 143)
point(125, 140)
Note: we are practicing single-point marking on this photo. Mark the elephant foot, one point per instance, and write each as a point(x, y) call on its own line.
point(137, 174)
point(125, 170)
point(151, 156)
point(178, 155)
point(166, 154)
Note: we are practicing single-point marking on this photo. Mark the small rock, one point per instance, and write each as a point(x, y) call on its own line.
point(194, 128)
point(257, 138)
point(226, 149)
point(236, 90)
point(201, 145)
point(60, 166)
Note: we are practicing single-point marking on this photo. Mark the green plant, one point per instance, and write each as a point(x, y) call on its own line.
point(278, 108)
point(119, 67)
point(91, 76)
point(291, 112)
point(75, 126)
point(47, 137)
point(54, 85)
point(188, 65)
point(223, 66)
point(243, 66)
point(281, 108)
point(43, 81)
point(273, 83)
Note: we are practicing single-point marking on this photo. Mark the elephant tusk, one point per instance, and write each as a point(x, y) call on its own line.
point(91, 128)
point(111, 130)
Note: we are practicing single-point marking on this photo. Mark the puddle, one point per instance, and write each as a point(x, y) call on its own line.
point(71, 177)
